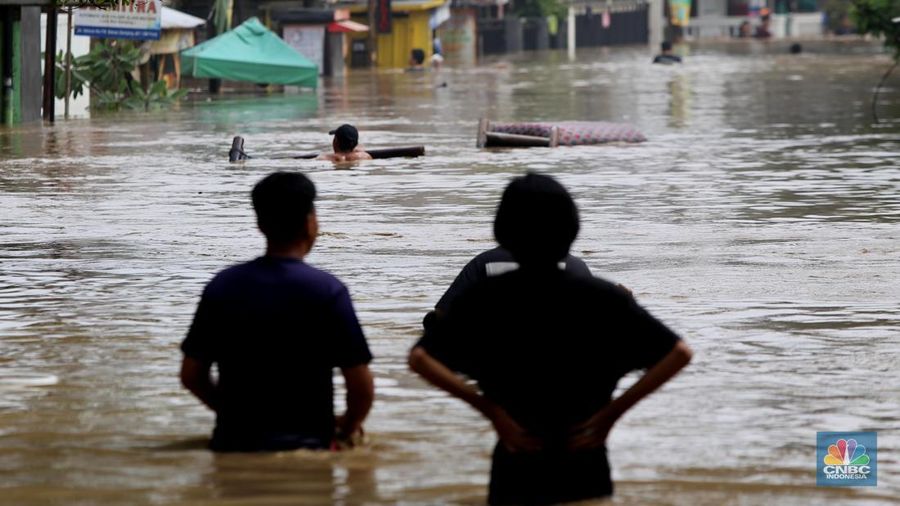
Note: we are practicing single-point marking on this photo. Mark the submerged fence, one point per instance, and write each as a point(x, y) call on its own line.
point(622, 24)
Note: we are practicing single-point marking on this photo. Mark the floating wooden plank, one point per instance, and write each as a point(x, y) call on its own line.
point(399, 152)
point(237, 152)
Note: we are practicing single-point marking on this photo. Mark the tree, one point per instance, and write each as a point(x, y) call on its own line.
point(877, 17)
point(882, 19)
point(106, 71)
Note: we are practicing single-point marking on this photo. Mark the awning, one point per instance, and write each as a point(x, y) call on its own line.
point(439, 15)
point(172, 19)
point(347, 26)
point(251, 53)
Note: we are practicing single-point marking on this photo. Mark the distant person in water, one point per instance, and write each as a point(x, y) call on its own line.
point(666, 55)
point(546, 348)
point(276, 327)
point(745, 30)
point(762, 30)
point(346, 145)
point(437, 55)
point(416, 59)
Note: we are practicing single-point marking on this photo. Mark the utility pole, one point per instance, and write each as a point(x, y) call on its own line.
point(68, 61)
point(655, 23)
point(570, 32)
point(49, 106)
point(373, 56)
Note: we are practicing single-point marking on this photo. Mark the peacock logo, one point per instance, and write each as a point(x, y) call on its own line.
point(846, 452)
point(847, 459)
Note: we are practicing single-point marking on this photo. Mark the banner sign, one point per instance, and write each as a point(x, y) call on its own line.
point(383, 16)
point(129, 19)
point(680, 12)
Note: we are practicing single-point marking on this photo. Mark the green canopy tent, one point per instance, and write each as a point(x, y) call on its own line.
point(250, 52)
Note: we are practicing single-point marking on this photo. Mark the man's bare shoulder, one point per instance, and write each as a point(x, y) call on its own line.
point(359, 155)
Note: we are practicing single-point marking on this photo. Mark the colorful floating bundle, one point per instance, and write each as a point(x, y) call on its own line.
point(563, 133)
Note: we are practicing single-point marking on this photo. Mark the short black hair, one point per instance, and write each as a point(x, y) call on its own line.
point(666, 45)
point(346, 136)
point(537, 220)
point(283, 201)
point(418, 55)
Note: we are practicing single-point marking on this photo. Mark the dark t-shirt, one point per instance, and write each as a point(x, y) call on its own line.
point(548, 346)
point(495, 262)
point(667, 59)
point(276, 328)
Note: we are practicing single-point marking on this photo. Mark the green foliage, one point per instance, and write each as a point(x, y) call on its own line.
point(157, 95)
point(106, 71)
point(540, 8)
point(876, 17)
point(110, 63)
point(79, 79)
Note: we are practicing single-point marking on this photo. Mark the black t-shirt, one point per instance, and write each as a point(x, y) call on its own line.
point(667, 59)
point(276, 328)
point(548, 346)
point(495, 262)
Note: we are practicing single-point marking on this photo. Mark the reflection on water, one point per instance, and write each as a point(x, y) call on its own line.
point(760, 220)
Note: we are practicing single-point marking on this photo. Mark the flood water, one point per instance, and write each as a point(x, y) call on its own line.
point(761, 221)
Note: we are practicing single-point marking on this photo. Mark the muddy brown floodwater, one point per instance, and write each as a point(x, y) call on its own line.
point(761, 220)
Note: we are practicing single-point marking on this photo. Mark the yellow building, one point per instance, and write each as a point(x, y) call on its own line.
point(411, 29)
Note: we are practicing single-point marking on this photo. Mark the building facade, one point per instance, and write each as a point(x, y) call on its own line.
point(20, 60)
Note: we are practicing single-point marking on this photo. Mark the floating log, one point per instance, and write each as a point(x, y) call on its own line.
point(401, 152)
point(237, 152)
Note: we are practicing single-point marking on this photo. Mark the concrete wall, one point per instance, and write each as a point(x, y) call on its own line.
point(712, 7)
point(805, 24)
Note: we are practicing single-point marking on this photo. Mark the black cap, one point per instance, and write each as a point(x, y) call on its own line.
point(346, 135)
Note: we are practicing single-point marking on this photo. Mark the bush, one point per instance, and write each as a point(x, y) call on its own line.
point(876, 17)
point(106, 71)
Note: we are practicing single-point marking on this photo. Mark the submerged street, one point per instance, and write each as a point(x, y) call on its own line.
point(759, 221)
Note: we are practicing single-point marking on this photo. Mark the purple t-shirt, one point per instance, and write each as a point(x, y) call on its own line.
point(276, 328)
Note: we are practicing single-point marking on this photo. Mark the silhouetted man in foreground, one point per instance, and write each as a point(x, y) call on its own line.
point(546, 348)
point(276, 328)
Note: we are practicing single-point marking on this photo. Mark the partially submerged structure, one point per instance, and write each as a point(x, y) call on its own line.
point(20, 60)
point(177, 34)
point(562, 133)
